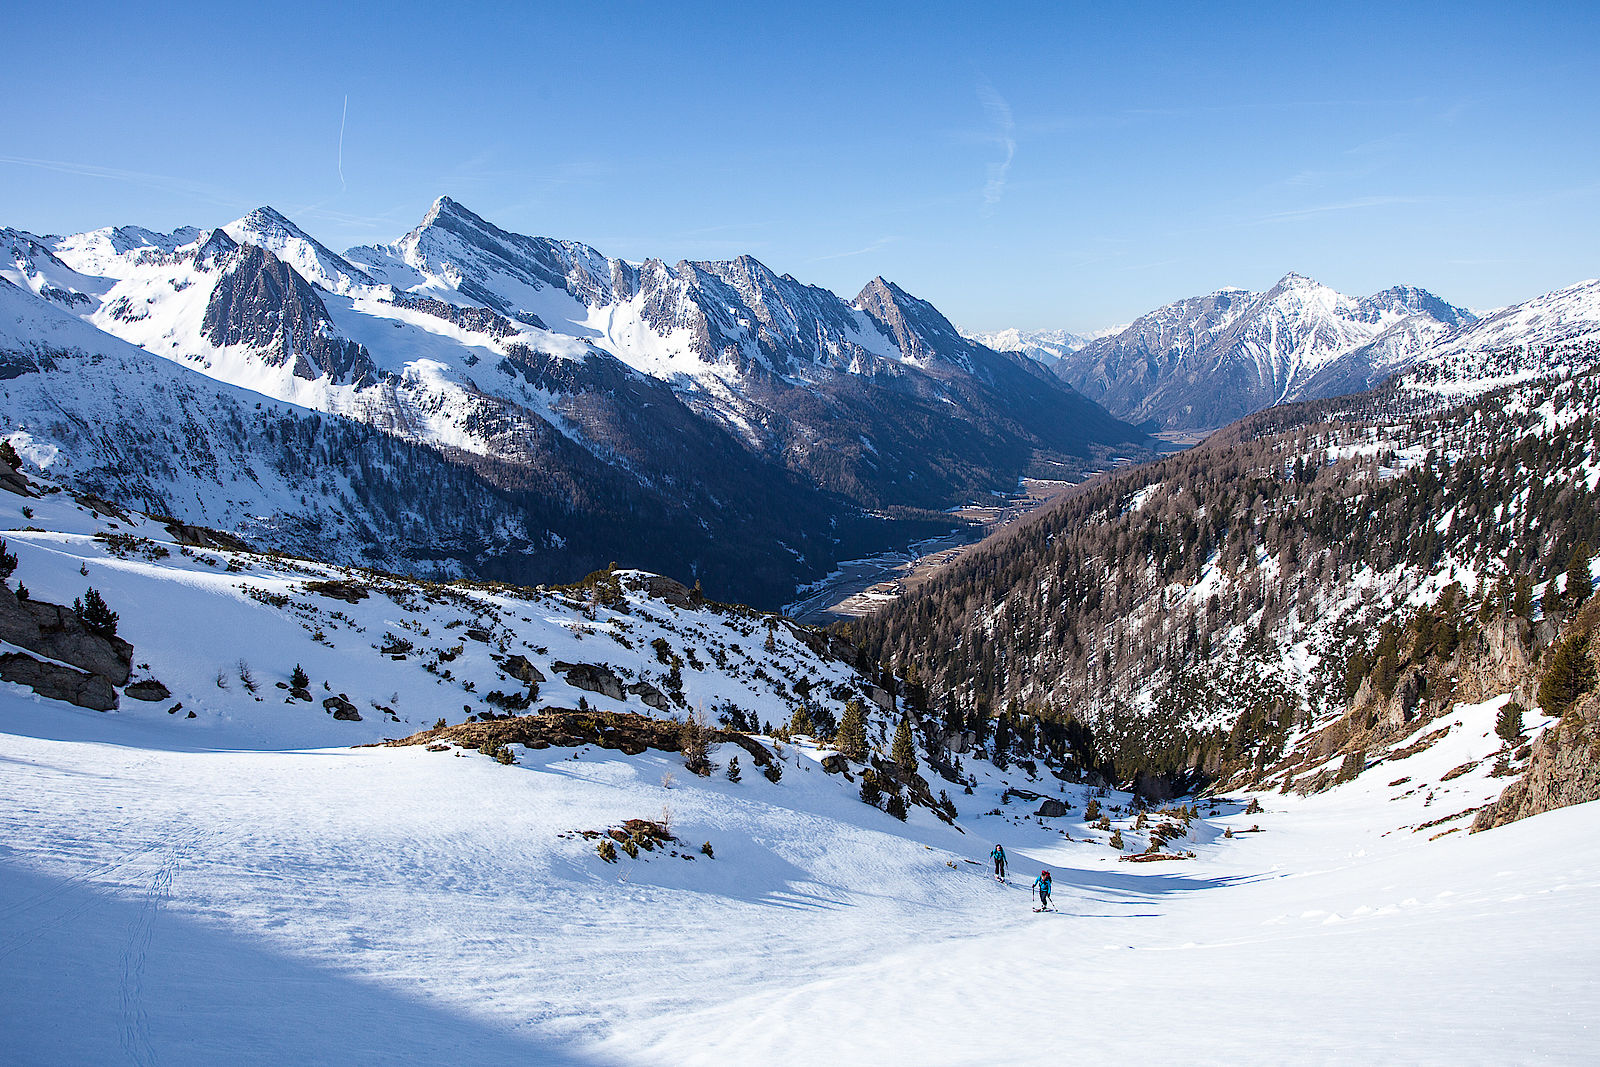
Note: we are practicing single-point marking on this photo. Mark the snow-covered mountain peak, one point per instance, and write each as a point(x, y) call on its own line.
point(211, 248)
point(1044, 346)
point(270, 229)
point(1411, 300)
point(917, 327)
point(97, 251)
point(1207, 360)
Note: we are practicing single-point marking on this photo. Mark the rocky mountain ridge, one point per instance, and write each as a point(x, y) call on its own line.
point(1204, 361)
point(715, 395)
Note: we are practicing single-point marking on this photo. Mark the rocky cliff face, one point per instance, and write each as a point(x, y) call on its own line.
point(1564, 770)
point(261, 303)
point(1565, 764)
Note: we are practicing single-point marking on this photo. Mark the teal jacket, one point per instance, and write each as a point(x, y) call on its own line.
point(1042, 884)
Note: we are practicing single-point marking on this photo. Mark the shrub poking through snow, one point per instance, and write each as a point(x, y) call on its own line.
point(499, 751)
point(734, 774)
point(705, 850)
point(896, 806)
point(774, 771)
point(1092, 812)
point(1116, 840)
point(607, 850)
point(299, 679)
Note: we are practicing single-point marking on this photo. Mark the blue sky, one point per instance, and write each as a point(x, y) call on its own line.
point(1054, 165)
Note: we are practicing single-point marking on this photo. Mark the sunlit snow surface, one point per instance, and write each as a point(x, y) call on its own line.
point(243, 887)
point(162, 901)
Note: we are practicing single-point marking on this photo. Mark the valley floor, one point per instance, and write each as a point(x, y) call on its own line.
point(167, 903)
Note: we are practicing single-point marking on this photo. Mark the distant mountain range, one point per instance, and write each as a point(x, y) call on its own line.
point(1205, 361)
point(705, 419)
point(1046, 346)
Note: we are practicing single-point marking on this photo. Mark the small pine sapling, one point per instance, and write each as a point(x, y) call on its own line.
point(801, 723)
point(1508, 724)
point(904, 752)
point(734, 774)
point(705, 850)
point(852, 736)
point(96, 616)
point(607, 850)
point(870, 793)
point(896, 806)
point(774, 771)
point(299, 679)
point(8, 561)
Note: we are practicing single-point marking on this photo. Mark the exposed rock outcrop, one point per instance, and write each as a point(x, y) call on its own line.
point(1564, 770)
point(566, 728)
point(261, 303)
point(12, 480)
point(55, 682)
point(342, 708)
point(649, 694)
point(520, 668)
point(596, 678)
point(58, 633)
point(147, 689)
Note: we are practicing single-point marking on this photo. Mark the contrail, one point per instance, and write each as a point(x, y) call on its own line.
point(342, 115)
point(999, 113)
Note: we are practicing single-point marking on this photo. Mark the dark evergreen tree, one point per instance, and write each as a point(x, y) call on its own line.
point(852, 737)
point(96, 616)
point(904, 752)
point(1578, 586)
point(1508, 724)
point(1569, 674)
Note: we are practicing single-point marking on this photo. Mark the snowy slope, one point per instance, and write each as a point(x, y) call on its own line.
point(240, 885)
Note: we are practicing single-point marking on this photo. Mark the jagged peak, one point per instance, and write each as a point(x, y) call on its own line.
point(446, 208)
point(212, 245)
point(268, 213)
point(1295, 280)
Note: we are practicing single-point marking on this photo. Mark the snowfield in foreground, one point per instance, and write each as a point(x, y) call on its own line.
point(161, 902)
point(229, 881)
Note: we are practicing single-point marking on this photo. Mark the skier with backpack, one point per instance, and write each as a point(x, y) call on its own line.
point(1041, 885)
point(999, 857)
